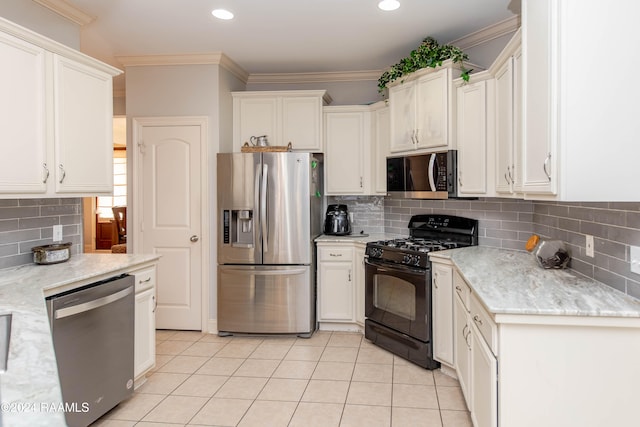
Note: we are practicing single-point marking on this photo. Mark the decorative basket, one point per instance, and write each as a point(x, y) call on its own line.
point(246, 148)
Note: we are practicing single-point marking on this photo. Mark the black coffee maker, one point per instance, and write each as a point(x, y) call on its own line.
point(337, 220)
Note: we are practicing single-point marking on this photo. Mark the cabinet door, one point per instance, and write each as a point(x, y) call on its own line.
point(432, 110)
point(540, 93)
point(403, 122)
point(462, 349)
point(83, 99)
point(484, 383)
point(358, 263)
point(145, 329)
point(504, 128)
point(302, 123)
point(335, 291)
point(442, 306)
point(472, 138)
point(23, 130)
point(254, 116)
point(382, 137)
point(344, 154)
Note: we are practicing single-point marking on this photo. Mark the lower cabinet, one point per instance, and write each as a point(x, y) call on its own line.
point(145, 323)
point(442, 310)
point(340, 284)
point(475, 362)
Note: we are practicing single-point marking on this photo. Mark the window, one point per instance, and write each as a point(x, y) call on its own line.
point(119, 198)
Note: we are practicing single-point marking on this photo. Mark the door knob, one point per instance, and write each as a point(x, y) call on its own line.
point(194, 238)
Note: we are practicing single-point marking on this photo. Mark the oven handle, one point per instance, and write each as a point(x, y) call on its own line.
point(383, 266)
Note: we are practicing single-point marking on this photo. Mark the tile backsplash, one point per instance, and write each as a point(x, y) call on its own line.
point(25, 223)
point(508, 223)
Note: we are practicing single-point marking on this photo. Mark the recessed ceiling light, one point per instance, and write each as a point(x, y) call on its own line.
point(222, 14)
point(389, 4)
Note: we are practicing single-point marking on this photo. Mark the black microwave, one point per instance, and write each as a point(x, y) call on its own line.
point(423, 176)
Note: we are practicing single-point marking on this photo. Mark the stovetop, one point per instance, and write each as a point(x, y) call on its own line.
point(428, 233)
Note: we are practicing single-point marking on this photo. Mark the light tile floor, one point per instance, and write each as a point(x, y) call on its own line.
point(330, 379)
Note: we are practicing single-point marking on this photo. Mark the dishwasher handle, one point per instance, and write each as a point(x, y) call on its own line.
point(91, 305)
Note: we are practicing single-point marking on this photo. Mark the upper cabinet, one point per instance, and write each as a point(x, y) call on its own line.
point(56, 119)
point(421, 110)
point(356, 146)
point(507, 72)
point(572, 109)
point(474, 130)
point(283, 116)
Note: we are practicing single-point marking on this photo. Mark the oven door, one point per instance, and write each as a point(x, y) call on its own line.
point(399, 297)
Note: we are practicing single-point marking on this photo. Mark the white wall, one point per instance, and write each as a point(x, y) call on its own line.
point(41, 20)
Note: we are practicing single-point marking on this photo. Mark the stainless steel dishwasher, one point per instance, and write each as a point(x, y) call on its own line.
point(93, 333)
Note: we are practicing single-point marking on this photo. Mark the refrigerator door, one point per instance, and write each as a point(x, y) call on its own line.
point(286, 214)
point(239, 240)
point(265, 300)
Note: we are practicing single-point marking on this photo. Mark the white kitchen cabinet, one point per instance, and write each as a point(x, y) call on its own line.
point(336, 282)
point(508, 135)
point(347, 150)
point(474, 112)
point(283, 116)
point(358, 262)
point(145, 324)
point(382, 135)
point(442, 311)
point(576, 119)
point(56, 119)
point(356, 147)
point(421, 108)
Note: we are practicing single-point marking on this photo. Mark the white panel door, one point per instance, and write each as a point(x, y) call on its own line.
point(170, 193)
point(432, 110)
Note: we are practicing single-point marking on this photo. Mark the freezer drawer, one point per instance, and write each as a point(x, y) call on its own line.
point(265, 299)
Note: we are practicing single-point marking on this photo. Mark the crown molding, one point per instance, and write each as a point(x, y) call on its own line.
point(215, 58)
point(489, 33)
point(67, 10)
point(319, 77)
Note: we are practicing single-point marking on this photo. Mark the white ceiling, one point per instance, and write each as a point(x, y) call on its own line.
point(282, 36)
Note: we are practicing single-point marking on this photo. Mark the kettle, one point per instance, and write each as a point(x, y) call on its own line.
point(259, 141)
point(337, 221)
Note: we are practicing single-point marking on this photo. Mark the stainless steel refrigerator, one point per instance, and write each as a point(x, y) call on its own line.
point(269, 213)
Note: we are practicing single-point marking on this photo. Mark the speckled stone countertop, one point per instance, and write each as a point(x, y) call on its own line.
point(511, 282)
point(29, 389)
point(356, 237)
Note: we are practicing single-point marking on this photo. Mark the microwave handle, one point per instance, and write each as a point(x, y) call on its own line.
point(432, 171)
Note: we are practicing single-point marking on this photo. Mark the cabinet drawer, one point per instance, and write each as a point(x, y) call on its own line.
point(145, 278)
point(462, 289)
point(335, 254)
point(488, 329)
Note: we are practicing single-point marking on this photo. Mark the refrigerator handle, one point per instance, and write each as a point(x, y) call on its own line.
point(256, 203)
point(263, 209)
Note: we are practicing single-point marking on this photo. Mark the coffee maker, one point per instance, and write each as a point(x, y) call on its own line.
point(337, 221)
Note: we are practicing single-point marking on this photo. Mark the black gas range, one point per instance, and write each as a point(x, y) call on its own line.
point(427, 233)
point(398, 284)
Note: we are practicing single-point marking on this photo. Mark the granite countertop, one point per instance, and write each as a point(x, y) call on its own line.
point(30, 390)
point(356, 237)
point(511, 282)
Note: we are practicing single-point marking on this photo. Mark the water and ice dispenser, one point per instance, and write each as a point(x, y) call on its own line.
point(238, 228)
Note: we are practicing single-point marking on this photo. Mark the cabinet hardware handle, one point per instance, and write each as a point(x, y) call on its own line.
point(463, 331)
point(506, 178)
point(155, 304)
point(460, 179)
point(512, 173)
point(194, 238)
point(360, 182)
point(413, 136)
point(477, 319)
point(332, 254)
point(145, 281)
point(46, 170)
point(64, 174)
point(544, 166)
point(458, 288)
point(349, 275)
point(417, 136)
